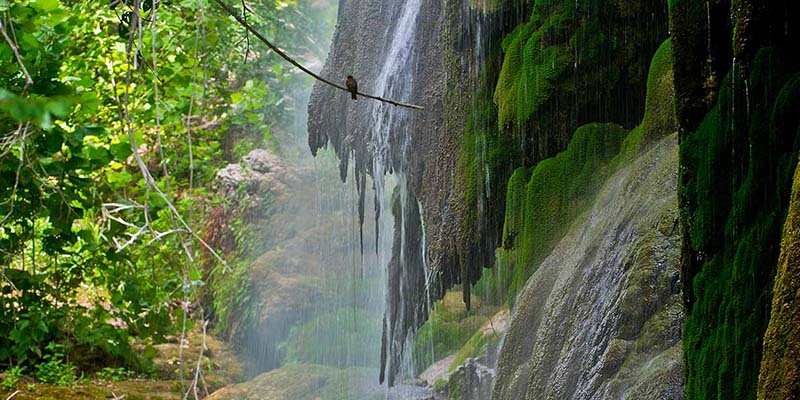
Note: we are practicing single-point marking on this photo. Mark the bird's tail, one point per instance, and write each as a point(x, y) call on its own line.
point(353, 95)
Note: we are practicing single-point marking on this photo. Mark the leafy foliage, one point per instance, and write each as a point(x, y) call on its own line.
point(53, 369)
point(93, 259)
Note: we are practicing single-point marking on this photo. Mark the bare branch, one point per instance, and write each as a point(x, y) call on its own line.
point(279, 52)
point(15, 50)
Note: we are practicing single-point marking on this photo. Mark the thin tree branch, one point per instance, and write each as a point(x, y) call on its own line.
point(15, 49)
point(274, 48)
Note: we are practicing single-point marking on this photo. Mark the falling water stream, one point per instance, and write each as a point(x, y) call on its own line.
point(343, 329)
point(388, 128)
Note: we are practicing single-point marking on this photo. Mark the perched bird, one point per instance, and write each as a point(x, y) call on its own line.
point(352, 86)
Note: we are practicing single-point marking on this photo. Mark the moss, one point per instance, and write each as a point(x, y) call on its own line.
point(574, 54)
point(550, 62)
point(531, 67)
point(454, 387)
point(494, 283)
point(474, 347)
point(780, 366)
point(449, 327)
point(131, 390)
point(657, 332)
point(515, 206)
point(558, 189)
point(736, 170)
point(659, 117)
point(486, 158)
point(220, 364)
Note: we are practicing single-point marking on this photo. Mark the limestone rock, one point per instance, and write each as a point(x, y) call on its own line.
point(601, 316)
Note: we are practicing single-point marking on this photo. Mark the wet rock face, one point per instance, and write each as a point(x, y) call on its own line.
point(601, 317)
point(471, 381)
point(360, 46)
point(780, 365)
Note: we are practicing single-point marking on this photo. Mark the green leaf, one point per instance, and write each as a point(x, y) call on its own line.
point(236, 97)
point(45, 5)
point(121, 150)
point(98, 154)
point(60, 107)
point(53, 141)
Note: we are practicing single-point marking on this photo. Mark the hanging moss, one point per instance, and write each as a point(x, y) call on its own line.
point(515, 206)
point(486, 159)
point(541, 202)
point(736, 170)
point(559, 188)
point(570, 57)
point(659, 111)
point(531, 68)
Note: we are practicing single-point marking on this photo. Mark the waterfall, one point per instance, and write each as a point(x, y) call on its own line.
point(387, 47)
point(389, 146)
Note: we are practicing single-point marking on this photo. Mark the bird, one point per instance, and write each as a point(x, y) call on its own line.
point(352, 86)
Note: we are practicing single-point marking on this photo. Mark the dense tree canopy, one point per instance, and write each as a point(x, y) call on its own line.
point(93, 252)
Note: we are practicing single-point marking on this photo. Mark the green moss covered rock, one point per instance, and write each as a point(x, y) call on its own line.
point(558, 189)
point(736, 176)
point(780, 366)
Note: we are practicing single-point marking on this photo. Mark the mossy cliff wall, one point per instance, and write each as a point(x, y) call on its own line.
point(780, 365)
point(526, 75)
point(592, 244)
point(738, 66)
point(461, 154)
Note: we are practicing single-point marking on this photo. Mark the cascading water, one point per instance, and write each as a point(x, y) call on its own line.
point(336, 296)
point(389, 146)
point(373, 142)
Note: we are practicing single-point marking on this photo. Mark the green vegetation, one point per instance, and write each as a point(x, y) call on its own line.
point(306, 382)
point(12, 376)
point(53, 369)
point(329, 339)
point(475, 346)
point(781, 360)
point(569, 58)
point(110, 374)
point(659, 112)
point(742, 156)
point(535, 58)
point(558, 190)
point(96, 262)
point(448, 328)
point(485, 159)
